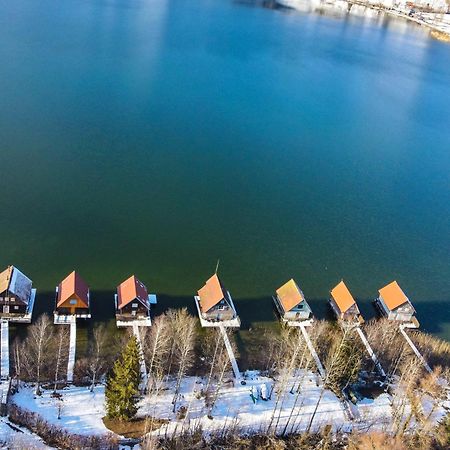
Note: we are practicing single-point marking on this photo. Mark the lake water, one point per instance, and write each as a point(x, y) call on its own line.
point(154, 137)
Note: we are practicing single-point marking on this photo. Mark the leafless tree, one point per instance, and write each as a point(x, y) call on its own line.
point(96, 359)
point(184, 327)
point(286, 361)
point(157, 343)
point(36, 346)
point(61, 352)
point(343, 362)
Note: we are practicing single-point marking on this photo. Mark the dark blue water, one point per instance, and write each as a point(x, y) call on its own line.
point(157, 136)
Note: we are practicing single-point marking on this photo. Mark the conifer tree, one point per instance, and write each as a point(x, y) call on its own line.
point(122, 385)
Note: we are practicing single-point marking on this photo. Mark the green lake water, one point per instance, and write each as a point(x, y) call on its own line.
point(154, 137)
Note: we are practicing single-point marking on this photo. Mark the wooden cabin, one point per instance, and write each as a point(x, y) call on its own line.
point(394, 304)
point(132, 300)
point(291, 302)
point(16, 293)
point(72, 297)
point(343, 304)
point(215, 301)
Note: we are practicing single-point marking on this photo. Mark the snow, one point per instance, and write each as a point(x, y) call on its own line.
point(81, 413)
point(82, 410)
point(235, 405)
point(14, 437)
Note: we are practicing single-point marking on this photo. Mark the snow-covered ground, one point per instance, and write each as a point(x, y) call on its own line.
point(13, 437)
point(81, 411)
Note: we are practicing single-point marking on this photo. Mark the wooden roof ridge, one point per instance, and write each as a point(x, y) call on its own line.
point(211, 293)
point(131, 289)
point(290, 295)
point(342, 296)
point(73, 285)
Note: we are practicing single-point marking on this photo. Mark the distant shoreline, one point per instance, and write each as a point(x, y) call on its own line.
point(434, 21)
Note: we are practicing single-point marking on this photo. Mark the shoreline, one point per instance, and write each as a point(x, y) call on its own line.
point(437, 22)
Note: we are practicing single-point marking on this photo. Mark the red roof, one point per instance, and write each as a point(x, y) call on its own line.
point(131, 289)
point(73, 286)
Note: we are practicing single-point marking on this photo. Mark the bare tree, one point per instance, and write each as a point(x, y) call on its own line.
point(96, 358)
point(38, 339)
point(61, 352)
point(157, 343)
point(184, 338)
point(342, 366)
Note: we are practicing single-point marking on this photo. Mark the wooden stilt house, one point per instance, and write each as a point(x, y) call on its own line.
point(72, 297)
point(343, 304)
point(394, 304)
point(16, 294)
point(132, 300)
point(291, 302)
point(215, 301)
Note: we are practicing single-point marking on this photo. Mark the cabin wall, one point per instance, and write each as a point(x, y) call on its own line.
point(139, 310)
point(220, 313)
point(335, 308)
point(10, 304)
point(403, 313)
point(73, 305)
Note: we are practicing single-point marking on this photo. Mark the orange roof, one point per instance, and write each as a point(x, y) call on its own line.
point(211, 293)
point(5, 278)
point(341, 295)
point(130, 290)
point(73, 285)
point(393, 295)
point(290, 295)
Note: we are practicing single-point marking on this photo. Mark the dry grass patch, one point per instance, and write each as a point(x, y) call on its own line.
point(135, 428)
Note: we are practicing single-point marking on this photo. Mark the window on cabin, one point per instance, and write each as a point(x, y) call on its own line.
point(73, 301)
point(16, 307)
point(134, 305)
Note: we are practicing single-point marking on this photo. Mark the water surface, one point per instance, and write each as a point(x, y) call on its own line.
point(153, 137)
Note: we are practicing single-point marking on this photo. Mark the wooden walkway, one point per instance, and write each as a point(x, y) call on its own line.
point(233, 361)
point(413, 347)
point(371, 352)
point(72, 348)
point(312, 350)
point(143, 368)
point(4, 350)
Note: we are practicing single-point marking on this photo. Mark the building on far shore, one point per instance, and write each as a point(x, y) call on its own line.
point(16, 295)
point(215, 301)
point(72, 297)
point(133, 302)
point(344, 305)
point(394, 304)
point(291, 302)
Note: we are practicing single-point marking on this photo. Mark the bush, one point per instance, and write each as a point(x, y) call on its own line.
point(56, 436)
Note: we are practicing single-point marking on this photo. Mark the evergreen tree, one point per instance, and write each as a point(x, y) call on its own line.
point(122, 385)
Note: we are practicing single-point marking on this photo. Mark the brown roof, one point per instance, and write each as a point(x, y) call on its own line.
point(131, 289)
point(73, 285)
point(211, 293)
point(5, 278)
point(393, 295)
point(290, 295)
point(341, 295)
